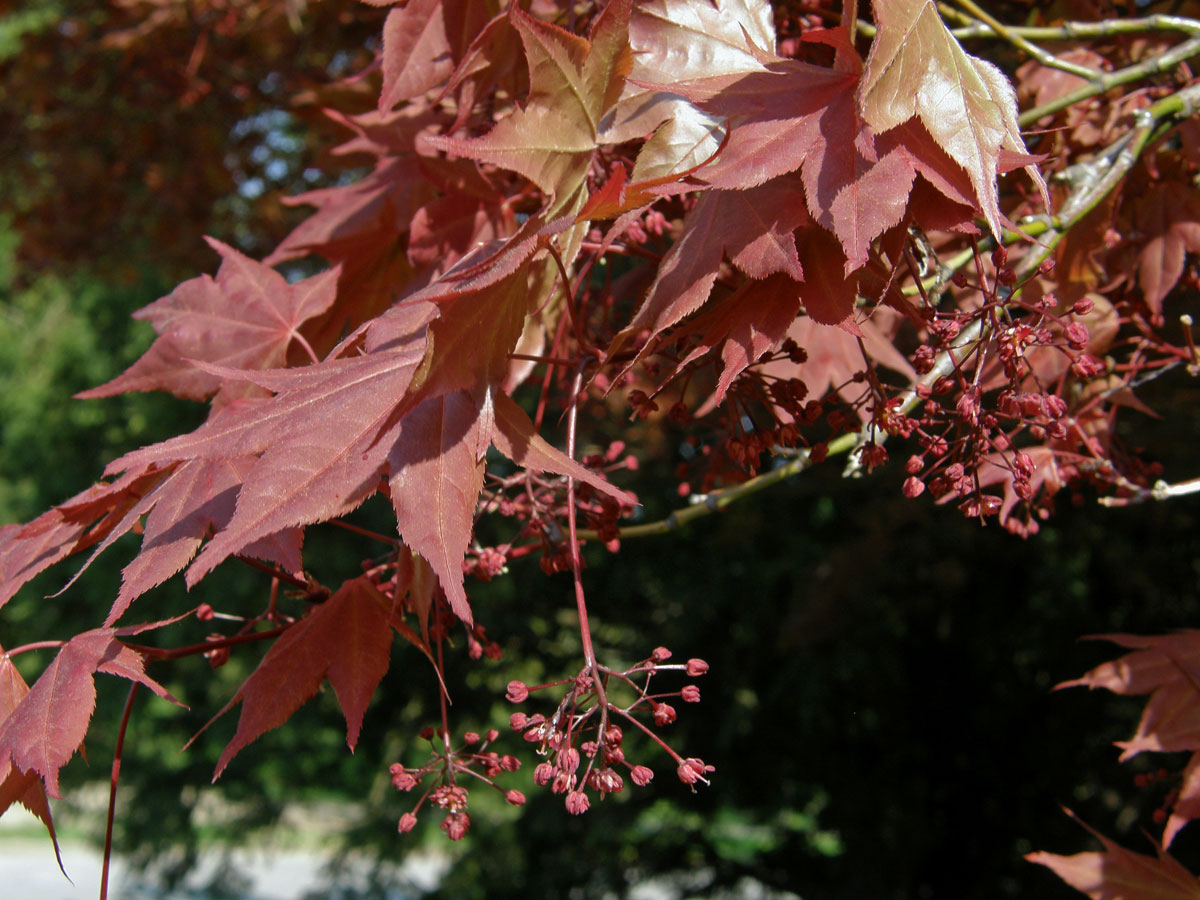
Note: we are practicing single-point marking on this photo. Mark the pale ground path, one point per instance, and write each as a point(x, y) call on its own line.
point(28, 870)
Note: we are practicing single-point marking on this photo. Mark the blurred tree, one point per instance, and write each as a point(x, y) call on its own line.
point(129, 129)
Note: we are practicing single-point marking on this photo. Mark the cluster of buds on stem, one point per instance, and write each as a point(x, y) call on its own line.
point(537, 502)
point(440, 777)
point(583, 740)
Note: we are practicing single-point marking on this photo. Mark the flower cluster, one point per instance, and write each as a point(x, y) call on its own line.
point(441, 775)
point(583, 743)
point(537, 501)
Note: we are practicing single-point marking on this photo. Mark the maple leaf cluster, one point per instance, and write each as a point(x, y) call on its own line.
point(780, 231)
point(1164, 667)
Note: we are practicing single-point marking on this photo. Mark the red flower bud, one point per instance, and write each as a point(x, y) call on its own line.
point(696, 667)
point(641, 775)
point(517, 692)
point(455, 825)
point(693, 770)
point(568, 760)
point(516, 798)
point(660, 654)
point(402, 780)
point(577, 803)
point(690, 693)
point(407, 823)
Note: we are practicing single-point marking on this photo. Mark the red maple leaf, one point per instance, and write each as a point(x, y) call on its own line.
point(753, 227)
point(380, 204)
point(676, 41)
point(248, 317)
point(47, 726)
point(1169, 215)
point(17, 785)
point(73, 526)
point(346, 639)
point(1187, 801)
point(197, 496)
point(573, 82)
point(422, 42)
point(384, 409)
point(744, 325)
point(436, 473)
point(1168, 668)
point(916, 67)
point(1120, 874)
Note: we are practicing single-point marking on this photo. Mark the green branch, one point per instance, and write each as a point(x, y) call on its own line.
point(1011, 35)
point(1068, 31)
point(1107, 81)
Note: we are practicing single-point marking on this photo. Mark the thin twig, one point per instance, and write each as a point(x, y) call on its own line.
point(1018, 40)
point(1067, 31)
point(1107, 81)
point(112, 788)
point(1160, 490)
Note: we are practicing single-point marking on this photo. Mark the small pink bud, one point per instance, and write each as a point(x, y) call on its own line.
point(1077, 335)
point(517, 721)
point(641, 775)
point(491, 735)
point(660, 654)
point(471, 737)
point(455, 825)
point(577, 803)
point(664, 714)
point(509, 763)
point(543, 773)
point(517, 692)
point(1055, 406)
point(913, 487)
point(204, 612)
point(1083, 306)
point(516, 798)
point(402, 780)
point(693, 770)
point(690, 693)
point(1087, 366)
point(696, 667)
point(407, 823)
point(568, 760)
